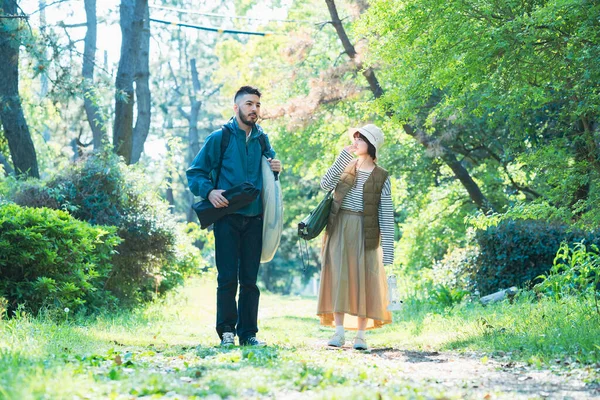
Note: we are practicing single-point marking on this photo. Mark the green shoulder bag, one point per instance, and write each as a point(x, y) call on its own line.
point(311, 226)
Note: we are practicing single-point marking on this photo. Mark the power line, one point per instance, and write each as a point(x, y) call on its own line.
point(210, 29)
point(184, 11)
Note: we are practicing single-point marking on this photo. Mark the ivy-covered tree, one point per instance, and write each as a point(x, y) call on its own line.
point(15, 128)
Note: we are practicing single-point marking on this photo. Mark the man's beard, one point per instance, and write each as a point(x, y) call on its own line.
point(245, 121)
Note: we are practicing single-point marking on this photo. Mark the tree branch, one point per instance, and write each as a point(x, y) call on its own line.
point(425, 140)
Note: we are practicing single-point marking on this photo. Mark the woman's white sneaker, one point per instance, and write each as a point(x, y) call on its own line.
point(360, 344)
point(337, 340)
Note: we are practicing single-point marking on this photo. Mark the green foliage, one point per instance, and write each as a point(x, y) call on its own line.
point(3, 307)
point(434, 228)
point(575, 272)
point(447, 297)
point(514, 253)
point(187, 258)
point(48, 258)
point(455, 270)
point(101, 190)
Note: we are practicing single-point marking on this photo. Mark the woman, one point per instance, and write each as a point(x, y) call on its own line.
point(359, 240)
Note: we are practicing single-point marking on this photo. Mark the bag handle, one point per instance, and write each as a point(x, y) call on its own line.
point(302, 252)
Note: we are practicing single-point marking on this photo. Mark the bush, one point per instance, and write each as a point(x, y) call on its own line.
point(3, 307)
point(455, 270)
point(516, 252)
point(576, 271)
point(446, 296)
point(101, 190)
point(48, 258)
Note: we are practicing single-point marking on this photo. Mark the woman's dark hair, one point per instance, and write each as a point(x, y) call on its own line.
point(246, 90)
point(371, 149)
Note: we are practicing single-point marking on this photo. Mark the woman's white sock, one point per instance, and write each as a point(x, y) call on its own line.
point(360, 335)
point(339, 330)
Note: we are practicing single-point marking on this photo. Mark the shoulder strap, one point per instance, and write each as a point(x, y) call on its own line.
point(225, 137)
point(263, 143)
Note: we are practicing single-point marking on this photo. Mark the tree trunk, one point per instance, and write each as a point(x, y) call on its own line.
point(448, 156)
point(15, 127)
point(92, 109)
point(193, 139)
point(43, 75)
point(132, 24)
point(142, 92)
point(193, 136)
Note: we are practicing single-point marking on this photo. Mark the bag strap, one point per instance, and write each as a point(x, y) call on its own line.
point(263, 143)
point(225, 138)
point(302, 252)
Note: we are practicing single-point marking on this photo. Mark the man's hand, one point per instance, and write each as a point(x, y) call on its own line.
point(275, 165)
point(216, 198)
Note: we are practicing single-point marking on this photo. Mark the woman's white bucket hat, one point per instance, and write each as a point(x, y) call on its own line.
point(373, 134)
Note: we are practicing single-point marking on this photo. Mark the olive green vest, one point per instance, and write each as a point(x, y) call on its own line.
point(371, 196)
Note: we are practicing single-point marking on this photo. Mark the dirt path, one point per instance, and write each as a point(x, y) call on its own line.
point(474, 376)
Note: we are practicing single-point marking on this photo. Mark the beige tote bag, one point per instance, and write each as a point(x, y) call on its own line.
point(272, 201)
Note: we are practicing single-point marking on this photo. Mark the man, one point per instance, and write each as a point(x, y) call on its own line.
point(238, 236)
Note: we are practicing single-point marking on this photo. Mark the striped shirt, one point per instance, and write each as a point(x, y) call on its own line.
point(353, 201)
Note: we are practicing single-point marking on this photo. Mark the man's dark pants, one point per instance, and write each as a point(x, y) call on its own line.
point(238, 244)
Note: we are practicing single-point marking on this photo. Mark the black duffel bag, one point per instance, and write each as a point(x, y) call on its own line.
point(238, 197)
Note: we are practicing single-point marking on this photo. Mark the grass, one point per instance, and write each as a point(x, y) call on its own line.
point(169, 349)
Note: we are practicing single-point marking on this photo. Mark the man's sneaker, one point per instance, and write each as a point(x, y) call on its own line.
point(337, 340)
point(360, 344)
point(252, 341)
point(228, 339)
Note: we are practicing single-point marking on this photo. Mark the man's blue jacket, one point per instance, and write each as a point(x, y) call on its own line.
point(241, 163)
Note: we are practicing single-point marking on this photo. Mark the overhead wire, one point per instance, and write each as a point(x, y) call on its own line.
point(210, 29)
point(206, 14)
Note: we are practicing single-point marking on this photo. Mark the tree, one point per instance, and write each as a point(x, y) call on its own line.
point(90, 102)
point(517, 78)
point(132, 26)
point(142, 92)
point(447, 155)
point(15, 126)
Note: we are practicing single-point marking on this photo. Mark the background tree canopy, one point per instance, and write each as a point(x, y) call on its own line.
point(490, 108)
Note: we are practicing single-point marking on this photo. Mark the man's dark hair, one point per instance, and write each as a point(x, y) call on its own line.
point(371, 150)
point(246, 90)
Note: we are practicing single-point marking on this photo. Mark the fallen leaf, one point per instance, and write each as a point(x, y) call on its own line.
point(118, 360)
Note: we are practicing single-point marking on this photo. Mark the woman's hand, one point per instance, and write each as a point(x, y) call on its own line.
point(350, 148)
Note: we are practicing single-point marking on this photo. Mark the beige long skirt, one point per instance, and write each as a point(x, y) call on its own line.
point(353, 280)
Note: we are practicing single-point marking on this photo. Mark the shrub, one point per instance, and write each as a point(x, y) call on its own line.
point(48, 258)
point(575, 271)
point(516, 252)
point(3, 307)
point(446, 296)
point(101, 190)
point(455, 270)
